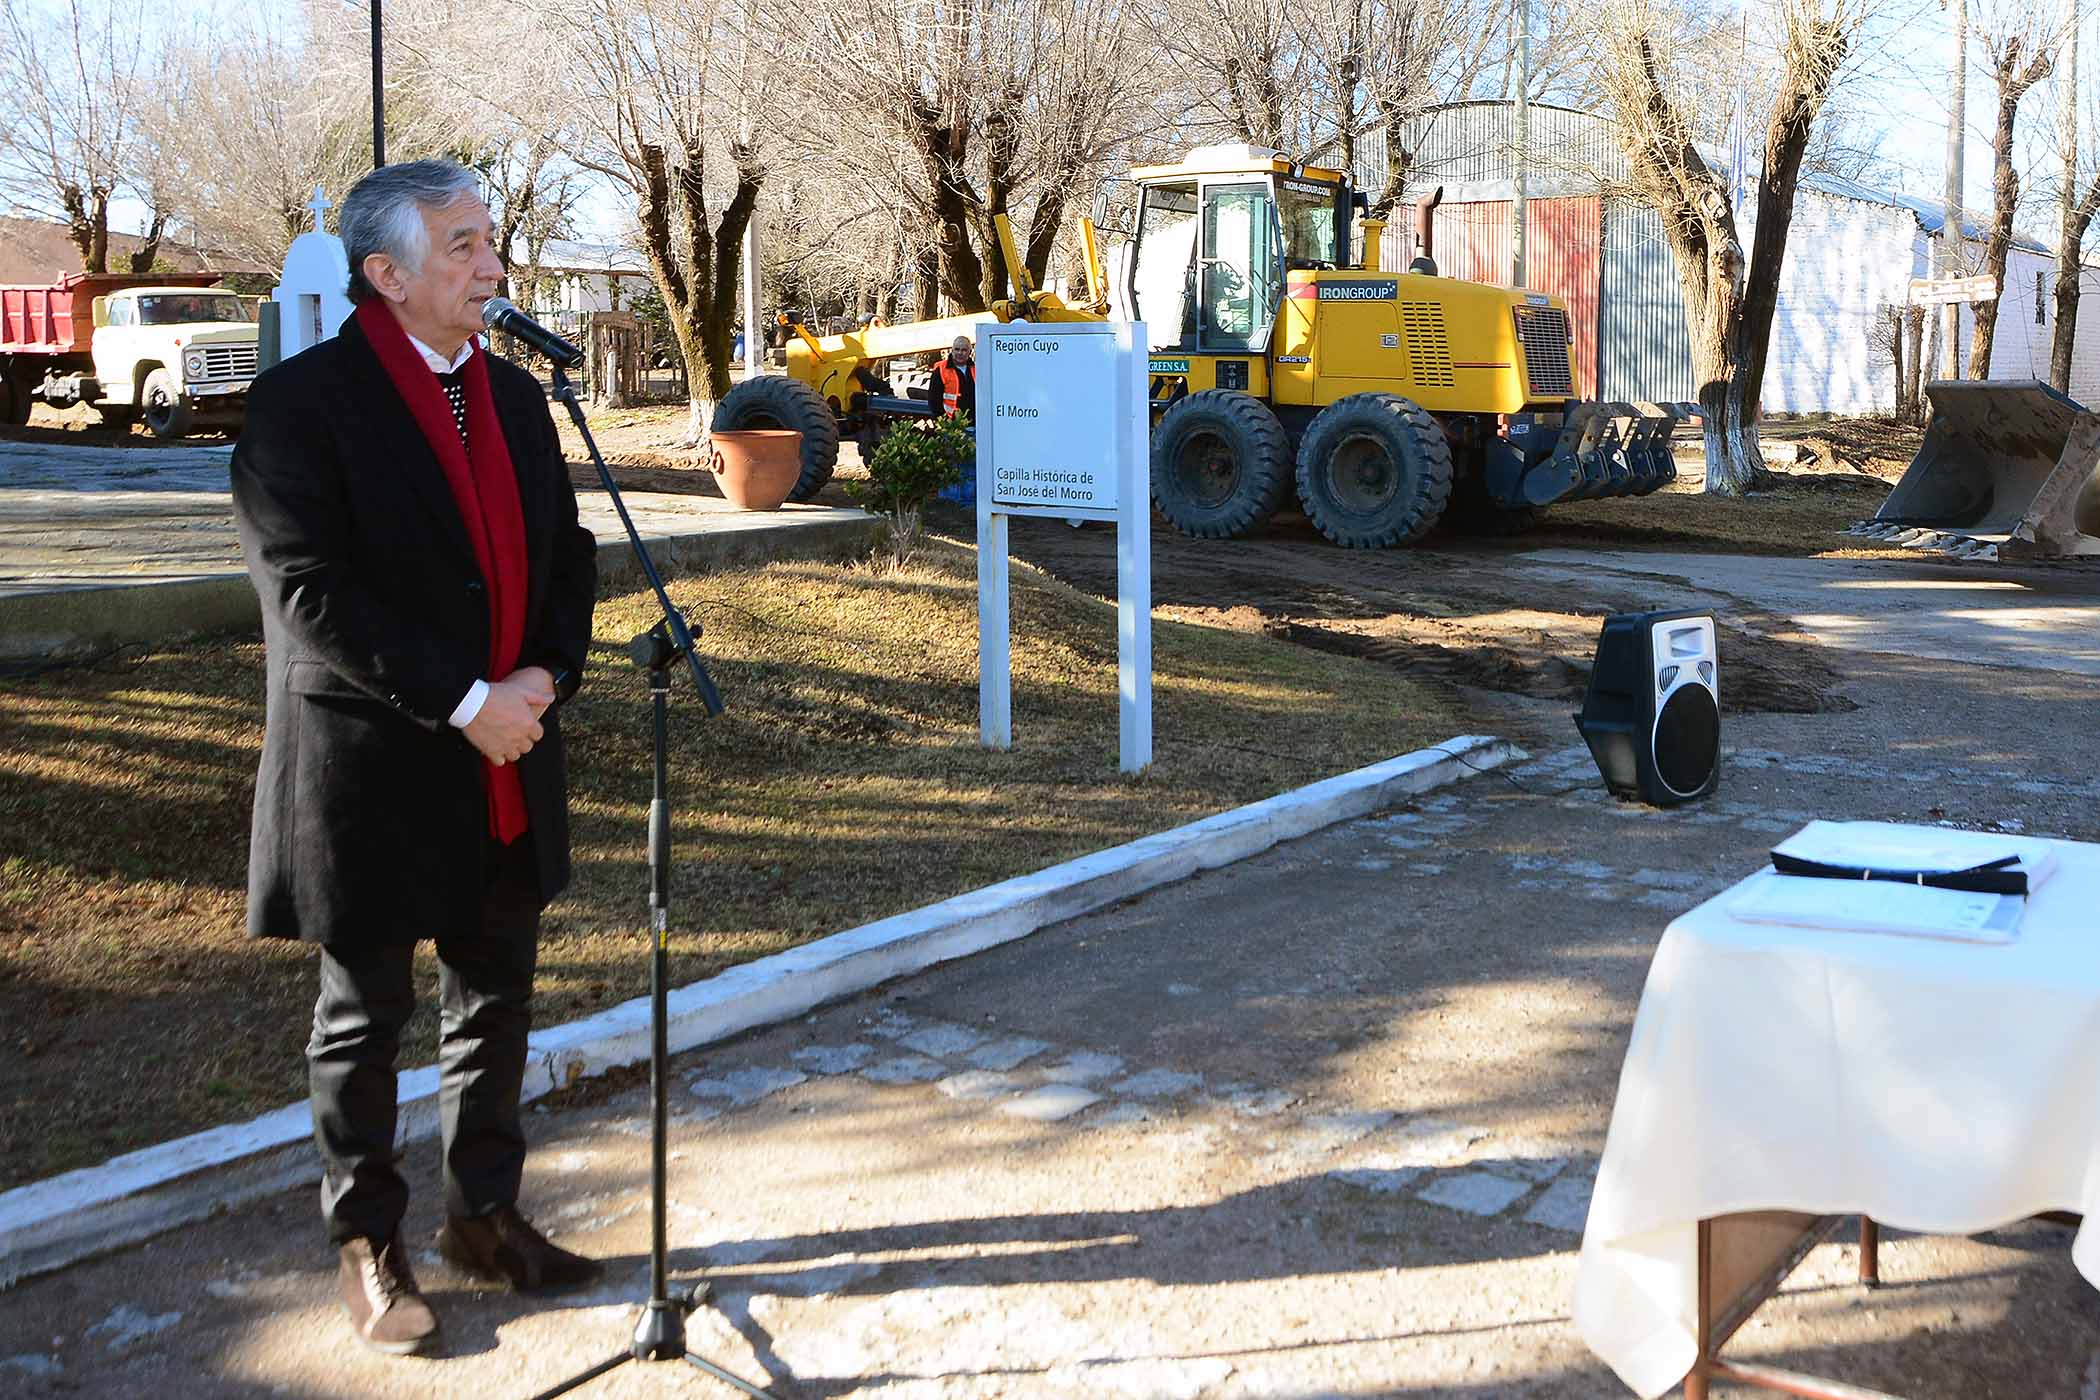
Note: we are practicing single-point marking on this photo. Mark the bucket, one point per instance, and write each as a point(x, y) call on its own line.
point(757, 467)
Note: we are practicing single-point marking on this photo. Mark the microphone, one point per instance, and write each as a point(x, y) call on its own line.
point(498, 314)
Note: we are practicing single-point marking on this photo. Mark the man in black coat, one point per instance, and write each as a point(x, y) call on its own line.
point(426, 597)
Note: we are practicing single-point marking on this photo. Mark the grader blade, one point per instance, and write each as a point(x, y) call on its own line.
point(2010, 464)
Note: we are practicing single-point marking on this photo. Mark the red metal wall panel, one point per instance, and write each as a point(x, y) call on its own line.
point(1472, 241)
point(1563, 243)
point(1564, 240)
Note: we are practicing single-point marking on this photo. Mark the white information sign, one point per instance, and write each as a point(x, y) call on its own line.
point(1040, 400)
point(1063, 432)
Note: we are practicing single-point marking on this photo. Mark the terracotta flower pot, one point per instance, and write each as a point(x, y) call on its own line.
point(757, 467)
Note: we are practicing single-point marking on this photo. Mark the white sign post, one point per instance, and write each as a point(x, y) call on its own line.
point(1063, 424)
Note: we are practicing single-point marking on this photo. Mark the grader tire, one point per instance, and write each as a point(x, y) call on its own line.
point(1220, 464)
point(776, 401)
point(1374, 471)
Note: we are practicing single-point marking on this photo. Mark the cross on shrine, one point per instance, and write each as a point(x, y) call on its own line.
point(320, 206)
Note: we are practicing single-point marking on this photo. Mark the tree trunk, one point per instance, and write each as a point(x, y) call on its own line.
point(2063, 337)
point(1793, 120)
point(942, 149)
point(2013, 82)
point(700, 287)
point(147, 251)
point(1914, 382)
point(1714, 312)
point(926, 285)
point(1894, 315)
point(87, 225)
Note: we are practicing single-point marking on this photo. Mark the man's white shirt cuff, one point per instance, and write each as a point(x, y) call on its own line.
point(463, 713)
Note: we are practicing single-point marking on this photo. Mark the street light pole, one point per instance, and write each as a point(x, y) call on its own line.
point(1521, 210)
point(378, 94)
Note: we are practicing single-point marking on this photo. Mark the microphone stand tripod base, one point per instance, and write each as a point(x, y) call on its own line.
point(660, 1334)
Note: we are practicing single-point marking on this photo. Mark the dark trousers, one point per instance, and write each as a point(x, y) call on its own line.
point(485, 1011)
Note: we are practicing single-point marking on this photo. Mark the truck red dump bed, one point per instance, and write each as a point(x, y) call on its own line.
point(59, 318)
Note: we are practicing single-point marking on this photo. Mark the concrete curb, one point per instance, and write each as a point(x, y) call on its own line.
point(49, 1224)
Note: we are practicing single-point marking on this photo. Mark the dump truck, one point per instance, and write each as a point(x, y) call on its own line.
point(2009, 469)
point(172, 350)
point(1380, 400)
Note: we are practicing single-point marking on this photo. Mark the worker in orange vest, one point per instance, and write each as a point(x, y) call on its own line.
point(955, 380)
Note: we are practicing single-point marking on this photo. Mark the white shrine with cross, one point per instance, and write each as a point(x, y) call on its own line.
point(314, 298)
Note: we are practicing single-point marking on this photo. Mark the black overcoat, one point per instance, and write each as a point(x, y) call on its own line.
point(370, 816)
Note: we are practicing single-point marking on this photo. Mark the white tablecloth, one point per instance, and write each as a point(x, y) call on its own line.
point(1937, 1086)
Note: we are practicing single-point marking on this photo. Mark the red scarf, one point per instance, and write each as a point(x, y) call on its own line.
point(486, 488)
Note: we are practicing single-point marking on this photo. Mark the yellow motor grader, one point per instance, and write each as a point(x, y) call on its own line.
point(1381, 397)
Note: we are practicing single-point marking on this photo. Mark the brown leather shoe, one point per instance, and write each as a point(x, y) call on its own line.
point(386, 1308)
point(503, 1246)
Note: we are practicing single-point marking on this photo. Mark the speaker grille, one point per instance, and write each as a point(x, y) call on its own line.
point(1687, 739)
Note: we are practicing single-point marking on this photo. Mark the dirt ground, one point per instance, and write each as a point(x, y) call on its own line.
point(1449, 610)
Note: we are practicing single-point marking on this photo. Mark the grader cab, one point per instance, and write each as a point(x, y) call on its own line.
point(1379, 399)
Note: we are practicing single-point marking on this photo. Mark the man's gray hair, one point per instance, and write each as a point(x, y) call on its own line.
point(383, 213)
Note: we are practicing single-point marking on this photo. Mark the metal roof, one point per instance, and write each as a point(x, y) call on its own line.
point(570, 255)
point(1930, 213)
point(1473, 144)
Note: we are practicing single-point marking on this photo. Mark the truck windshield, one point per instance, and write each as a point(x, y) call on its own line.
point(189, 308)
point(1308, 224)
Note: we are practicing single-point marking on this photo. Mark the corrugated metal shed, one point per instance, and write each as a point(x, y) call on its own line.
point(1472, 241)
point(1470, 148)
point(1851, 253)
point(1644, 349)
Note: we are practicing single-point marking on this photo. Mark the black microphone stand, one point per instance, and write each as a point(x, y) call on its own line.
point(660, 1334)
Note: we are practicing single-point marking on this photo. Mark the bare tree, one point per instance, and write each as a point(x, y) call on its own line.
point(2016, 50)
point(1730, 295)
point(67, 113)
point(2078, 200)
point(965, 110)
point(1385, 63)
point(658, 84)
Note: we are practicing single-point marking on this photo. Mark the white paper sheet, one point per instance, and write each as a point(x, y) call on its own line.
point(1878, 906)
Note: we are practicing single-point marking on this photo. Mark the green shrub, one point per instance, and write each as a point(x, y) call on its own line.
point(913, 461)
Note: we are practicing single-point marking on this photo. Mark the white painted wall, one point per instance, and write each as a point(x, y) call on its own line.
point(1846, 259)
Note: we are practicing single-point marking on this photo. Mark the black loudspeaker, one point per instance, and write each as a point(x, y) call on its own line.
point(1652, 714)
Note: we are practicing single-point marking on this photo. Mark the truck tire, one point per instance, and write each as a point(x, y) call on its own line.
point(1374, 471)
point(15, 401)
point(167, 410)
point(1220, 464)
point(776, 401)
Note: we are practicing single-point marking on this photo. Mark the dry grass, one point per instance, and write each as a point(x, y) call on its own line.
point(844, 784)
point(1805, 513)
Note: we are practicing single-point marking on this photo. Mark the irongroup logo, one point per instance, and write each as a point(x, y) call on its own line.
point(1385, 289)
